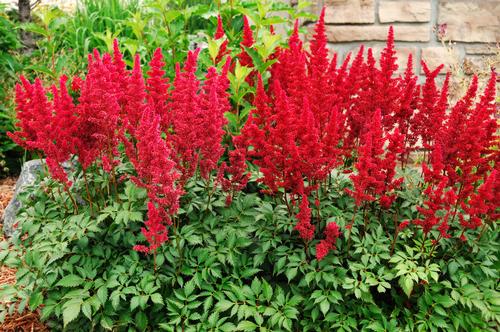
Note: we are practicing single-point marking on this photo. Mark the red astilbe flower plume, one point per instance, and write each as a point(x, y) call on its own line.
point(290, 70)
point(428, 121)
point(184, 109)
point(236, 169)
point(64, 137)
point(158, 85)
point(332, 233)
point(213, 104)
point(76, 84)
point(284, 141)
point(467, 138)
point(318, 74)
point(155, 232)
point(219, 33)
point(304, 226)
point(119, 72)
point(355, 115)
point(134, 98)
point(388, 88)
point(46, 126)
point(196, 118)
point(439, 202)
point(403, 116)
point(369, 180)
point(33, 114)
point(248, 41)
point(388, 167)
point(98, 114)
point(155, 170)
point(483, 203)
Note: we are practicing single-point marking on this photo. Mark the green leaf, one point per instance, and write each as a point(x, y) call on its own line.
point(291, 273)
point(35, 300)
point(87, 310)
point(102, 294)
point(71, 310)
point(141, 321)
point(444, 300)
point(256, 286)
point(189, 287)
point(452, 267)
point(71, 280)
point(106, 323)
point(156, 298)
point(406, 284)
point(223, 305)
point(134, 303)
point(246, 326)
point(267, 290)
point(324, 306)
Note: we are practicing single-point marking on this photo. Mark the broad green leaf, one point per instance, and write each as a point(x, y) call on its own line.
point(406, 284)
point(223, 305)
point(71, 310)
point(246, 326)
point(71, 280)
point(35, 300)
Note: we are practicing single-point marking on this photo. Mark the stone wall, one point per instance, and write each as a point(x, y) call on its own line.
point(472, 25)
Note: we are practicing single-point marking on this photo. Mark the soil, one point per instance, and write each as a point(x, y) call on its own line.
point(27, 321)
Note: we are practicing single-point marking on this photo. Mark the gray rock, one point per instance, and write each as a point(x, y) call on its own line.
point(27, 177)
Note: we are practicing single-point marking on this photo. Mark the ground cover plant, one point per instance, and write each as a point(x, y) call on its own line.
point(274, 190)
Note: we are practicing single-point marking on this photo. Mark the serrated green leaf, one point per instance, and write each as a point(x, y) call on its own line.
point(87, 310)
point(35, 300)
point(224, 305)
point(267, 290)
point(71, 280)
point(246, 326)
point(71, 310)
point(106, 323)
point(324, 306)
point(444, 300)
point(156, 298)
point(406, 284)
point(141, 321)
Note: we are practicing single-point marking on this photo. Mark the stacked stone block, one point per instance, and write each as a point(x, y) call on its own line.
point(473, 27)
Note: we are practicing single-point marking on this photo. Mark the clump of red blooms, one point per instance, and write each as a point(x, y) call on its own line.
point(332, 233)
point(312, 116)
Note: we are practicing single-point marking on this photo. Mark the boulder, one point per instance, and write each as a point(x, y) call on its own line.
point(27, 177)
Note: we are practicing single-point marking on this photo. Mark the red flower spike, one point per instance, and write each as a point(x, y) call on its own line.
point(304, 226)
point(134, 98)
point(248, 41)
point(403, 224)
point(332, 233)
point(219, 33)
point(155, 170)
point(429, 119)
point(158, 85)
point(155, 231)
point(318, 75)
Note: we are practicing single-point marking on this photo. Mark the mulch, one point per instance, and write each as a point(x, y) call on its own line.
point(27, 321)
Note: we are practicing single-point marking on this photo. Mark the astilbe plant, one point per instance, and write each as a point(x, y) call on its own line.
point(311, 115)
point(366, 116)
point(320, 148)
point(168, 135)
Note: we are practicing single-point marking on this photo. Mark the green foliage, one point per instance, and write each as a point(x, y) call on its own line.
point(238, 268)
point(9, 66)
